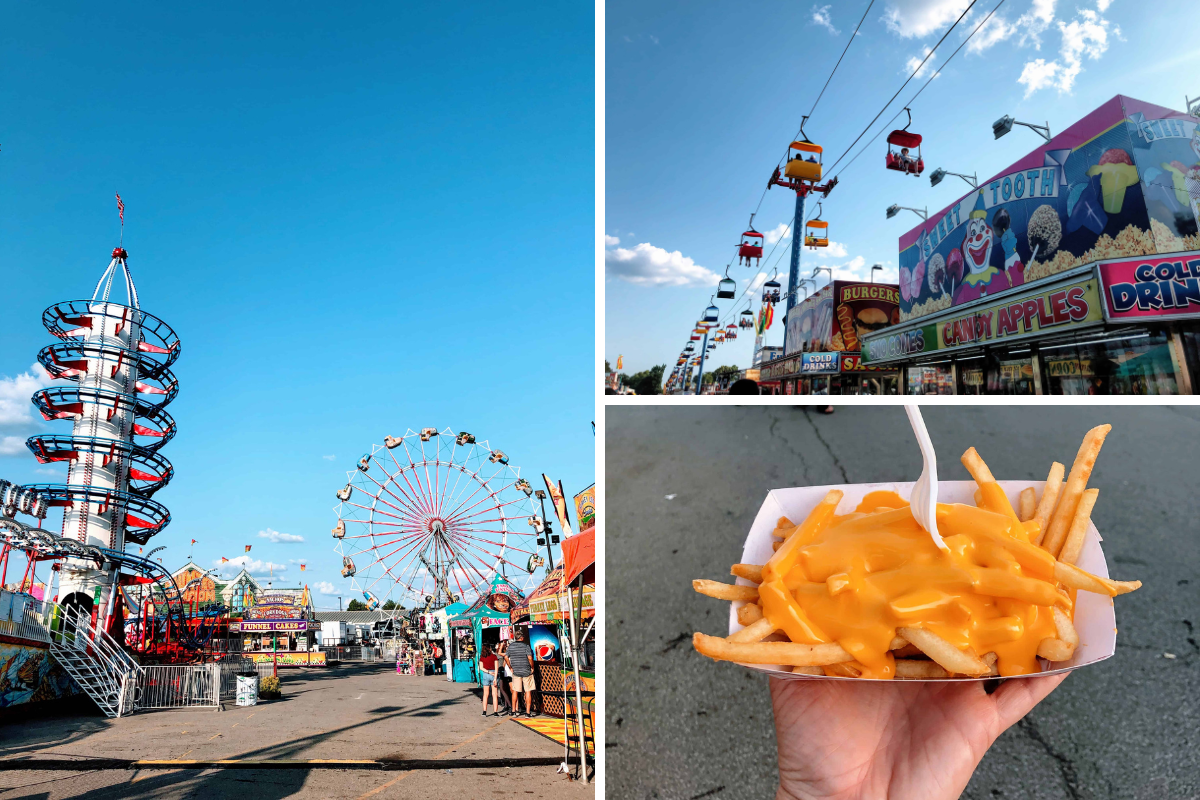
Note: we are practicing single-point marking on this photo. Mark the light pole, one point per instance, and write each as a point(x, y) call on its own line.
point(938, 174)
point(875, 268)
point(541, 495)
point(814, 276)
point(1005, 124)
point(894, 210)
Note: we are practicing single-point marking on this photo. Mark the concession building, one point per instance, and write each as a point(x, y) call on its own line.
point(1076, 270)
point(824, 335)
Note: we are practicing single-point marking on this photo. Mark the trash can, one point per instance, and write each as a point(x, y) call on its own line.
point(247, 688)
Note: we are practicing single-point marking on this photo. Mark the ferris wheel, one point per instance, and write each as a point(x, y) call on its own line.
point(431, 517)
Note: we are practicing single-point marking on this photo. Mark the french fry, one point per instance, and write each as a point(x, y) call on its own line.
point(1081, 470)
point(1075, 578)
point(850, 670)
point(950, 657)
point(1065, 628)
point(776, 545)
point(751, 572)
point(786, 556)
point(1055, 650)
point(1027, 504)
point(993, 662)
point(754, 632)
point(1049, 497)
point(808, 670)
point(909, 668)
point(796, 655)
point(749, 614)
point(1079, 525)
point(979, 470)
point(978, 499)
point(897, 643)
point(725, 591)
point(908, 651)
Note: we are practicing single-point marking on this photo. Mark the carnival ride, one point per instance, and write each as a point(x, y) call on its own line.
point(429, 518)
point(802, 169)
point(117, 359)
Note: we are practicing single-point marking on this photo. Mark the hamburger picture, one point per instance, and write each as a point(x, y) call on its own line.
point(870, 319)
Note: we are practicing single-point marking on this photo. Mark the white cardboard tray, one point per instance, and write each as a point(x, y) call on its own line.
point(1094, 617)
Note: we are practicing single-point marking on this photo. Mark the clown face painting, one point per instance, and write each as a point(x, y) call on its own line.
point(977, 246)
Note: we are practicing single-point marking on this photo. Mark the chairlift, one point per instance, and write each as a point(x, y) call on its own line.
point(801, 166)
point(771, 291)
point(731, 331)
point(712, 313)
point(900, 159)
point(746, 318)
point(691, 348)
point(751, 245)
point(727, 288)
point(695, 337)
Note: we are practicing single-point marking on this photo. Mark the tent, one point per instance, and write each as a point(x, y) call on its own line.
point(490, 610)
point(578, 569)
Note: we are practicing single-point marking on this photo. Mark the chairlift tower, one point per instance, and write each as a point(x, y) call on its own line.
point(116, 361)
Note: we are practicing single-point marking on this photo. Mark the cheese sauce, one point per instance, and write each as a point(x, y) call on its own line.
point(854, 579)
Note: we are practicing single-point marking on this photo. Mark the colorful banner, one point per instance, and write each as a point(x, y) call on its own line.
point(810, 323)
point(780, 368)
point(273, 626)
point(559, 502)
point(277, 605)
point(1060, 307)
point(289, 658)
point(585, 508)
point(1124, 181)
point(852, 362)
point(1161, 286)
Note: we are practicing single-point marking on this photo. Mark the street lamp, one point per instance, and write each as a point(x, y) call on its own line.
point(548, 536)
point(894, 210)
point(1005, 124)
point(938, 174)
point(820, 269)
point(874, 268)
point(1192, 104)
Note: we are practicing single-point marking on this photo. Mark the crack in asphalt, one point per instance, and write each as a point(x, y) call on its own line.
point(1065, 766)
point(775, 420)
point(836, 461)
point(678, 640)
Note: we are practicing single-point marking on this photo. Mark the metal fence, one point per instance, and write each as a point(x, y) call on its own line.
point(24, 617)
point(229, 671)
point(183, 686)
point(353, 653)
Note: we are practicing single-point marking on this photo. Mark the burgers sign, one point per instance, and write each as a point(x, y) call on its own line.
point(861, 308)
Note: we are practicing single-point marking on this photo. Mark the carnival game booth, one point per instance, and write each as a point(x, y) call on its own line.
point(486, 621)
point(1074, 270)
point(443, 616)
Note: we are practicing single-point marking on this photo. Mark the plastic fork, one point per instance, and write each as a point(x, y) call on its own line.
point(923, 499)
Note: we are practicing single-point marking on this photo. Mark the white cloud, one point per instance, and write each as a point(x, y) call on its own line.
point(611, 241)
point(778, 233)
point(277, 537)
point(329, 458)
point(252, 565)
point(325, 587)
point(15, 393)
point(12, 445)
point(820, 16)
point(1084, 36)
point(836, 250)
point(919, 18)
point(757, 281)
point(915, 62)
point(647, 265)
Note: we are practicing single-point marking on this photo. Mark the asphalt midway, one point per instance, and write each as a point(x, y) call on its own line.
point(77, 764)
point(683, 485)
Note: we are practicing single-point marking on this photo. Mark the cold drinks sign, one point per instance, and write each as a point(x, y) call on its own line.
point(1152, 286)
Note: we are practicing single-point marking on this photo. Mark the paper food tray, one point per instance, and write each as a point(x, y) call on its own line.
point(1094, 617)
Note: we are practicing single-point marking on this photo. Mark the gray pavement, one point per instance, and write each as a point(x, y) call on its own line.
point(681, 726)
point(358, 713)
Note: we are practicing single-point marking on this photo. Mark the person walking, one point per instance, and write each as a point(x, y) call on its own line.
point(487, 678)
point(503, 675)
point(520, 658)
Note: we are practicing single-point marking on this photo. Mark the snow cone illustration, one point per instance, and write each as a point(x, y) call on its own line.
point(1117, 173)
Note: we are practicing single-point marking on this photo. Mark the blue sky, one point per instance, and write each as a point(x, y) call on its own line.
point(703, 98)
point(358, 220)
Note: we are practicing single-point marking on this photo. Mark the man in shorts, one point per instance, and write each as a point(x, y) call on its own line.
point(519, 657)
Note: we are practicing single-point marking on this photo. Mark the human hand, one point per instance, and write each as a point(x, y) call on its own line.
point(861, 741)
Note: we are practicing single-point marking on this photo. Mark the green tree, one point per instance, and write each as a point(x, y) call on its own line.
point(647, 381)
point(720, 372)
point(388, 606)
point(354, 605)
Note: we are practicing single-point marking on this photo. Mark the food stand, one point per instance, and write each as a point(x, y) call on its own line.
point(486, 621)
point(281, 617)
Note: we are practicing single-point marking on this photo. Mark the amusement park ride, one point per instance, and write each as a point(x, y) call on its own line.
point(429, 518)
point(117, 359)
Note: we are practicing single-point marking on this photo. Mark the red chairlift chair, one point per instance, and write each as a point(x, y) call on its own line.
point(903, 140)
